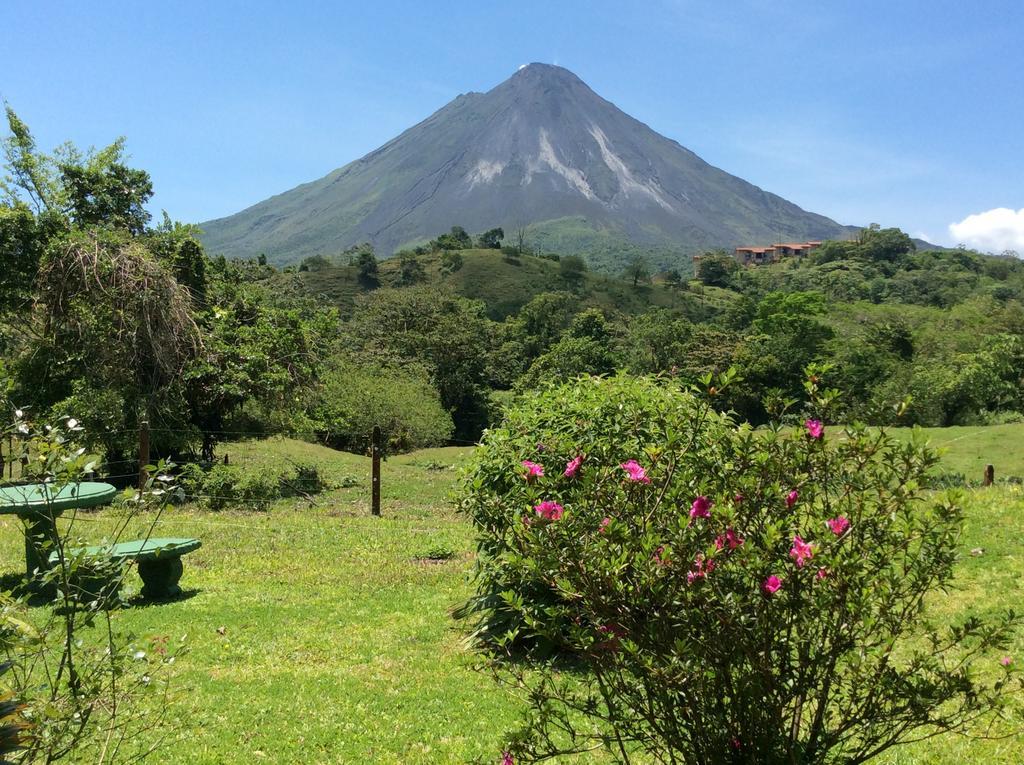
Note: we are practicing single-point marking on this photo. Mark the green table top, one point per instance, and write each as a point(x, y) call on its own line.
point(142, 549)
point(30, 498)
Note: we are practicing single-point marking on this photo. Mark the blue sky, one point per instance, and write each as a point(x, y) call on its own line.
point(903, 113)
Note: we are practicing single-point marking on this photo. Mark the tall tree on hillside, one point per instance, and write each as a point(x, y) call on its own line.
point(449, 334)
point(491, 239)
point(638, 271)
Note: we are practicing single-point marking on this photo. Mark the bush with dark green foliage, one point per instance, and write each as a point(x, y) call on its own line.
point(725, 594)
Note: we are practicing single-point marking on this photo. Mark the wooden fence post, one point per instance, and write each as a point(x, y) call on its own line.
point(990, 475)
point(143, 453)
point(375, 479)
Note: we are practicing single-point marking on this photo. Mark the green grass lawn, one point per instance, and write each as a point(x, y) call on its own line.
point(317, 633)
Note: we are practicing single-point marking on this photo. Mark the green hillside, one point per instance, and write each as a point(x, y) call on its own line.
point(506, 283)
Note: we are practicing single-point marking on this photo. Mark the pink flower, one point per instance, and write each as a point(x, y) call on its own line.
point(800, 552)
point(815, 428)
point(549, 510)
point(738, 498)
point(822, 573)
point(660, 557)
point(1006, 661)
point(771, 585)
point(792, 497)
point(701, 508)
point(735, 743)
point(635, 471)
point(701, 568)
point(533, 470)
point(613, 632)
point(838, 525)
point(730, 538)
point(573, 466)
point(603, 526)
point(506, 759)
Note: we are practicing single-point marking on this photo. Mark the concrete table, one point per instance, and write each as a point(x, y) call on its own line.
point(39, 505)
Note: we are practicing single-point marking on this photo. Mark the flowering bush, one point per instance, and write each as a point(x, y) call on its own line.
point(732, 595)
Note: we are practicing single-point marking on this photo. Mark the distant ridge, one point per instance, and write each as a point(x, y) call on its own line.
point(541, 150)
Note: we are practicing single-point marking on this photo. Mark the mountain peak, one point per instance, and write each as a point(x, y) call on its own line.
point(540, 149)
point(547, 76)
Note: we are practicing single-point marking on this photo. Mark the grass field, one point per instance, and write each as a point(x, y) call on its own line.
point(319, 634)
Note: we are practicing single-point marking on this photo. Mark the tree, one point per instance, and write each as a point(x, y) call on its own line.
point(673, 278)
point(95, 188)
point(521, 240)
point(456, 239)
point(451, 261)
point(491, 239)
point(366, 268)
point(410, 270)
point(637, 271)
point(448, 334)
point(883, 244)
point(716, 268)
point(572, 268)
point(114, 316)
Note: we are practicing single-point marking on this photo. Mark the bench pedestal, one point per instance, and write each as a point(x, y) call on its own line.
point(160, 577)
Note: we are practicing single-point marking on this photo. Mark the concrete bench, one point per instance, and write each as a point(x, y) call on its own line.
point(159, 562)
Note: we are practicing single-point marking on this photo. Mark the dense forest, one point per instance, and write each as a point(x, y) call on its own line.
point(123, 322)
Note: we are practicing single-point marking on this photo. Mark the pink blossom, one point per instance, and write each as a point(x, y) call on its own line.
point(815, 428)
point(701, 568)
point(735, 743)
point(613, 632)
point(603, 526)
point(733, 539)
point(792, 497)
point(573, 466)
point(771, 585)
point(701, 507)
point(549, 510)
point(506, 759)
point(635, 471)
point(738, 498)
point(838, 525)
point(822, 573)
point(533, 470)
point(730, 538)
point(660, 557)
point(800, 552)
point(1006, 661)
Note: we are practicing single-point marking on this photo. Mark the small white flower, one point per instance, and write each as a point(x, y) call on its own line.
point(18, 413)
point(139, 655)
point(23, 429)
point(72, 423)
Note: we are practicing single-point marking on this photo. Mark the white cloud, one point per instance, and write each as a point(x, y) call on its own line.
point(993, 230)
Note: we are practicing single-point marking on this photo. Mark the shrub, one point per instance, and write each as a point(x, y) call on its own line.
point(228, 485)
point(402, 402)
point(728, 595)
point(220, 486)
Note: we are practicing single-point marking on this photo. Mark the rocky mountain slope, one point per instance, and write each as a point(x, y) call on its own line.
point(540, 151)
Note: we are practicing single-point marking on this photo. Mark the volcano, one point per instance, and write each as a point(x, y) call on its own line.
point(541, 153)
